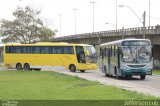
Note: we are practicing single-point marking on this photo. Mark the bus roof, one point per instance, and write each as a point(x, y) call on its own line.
point(118, 42)
point(47, 44)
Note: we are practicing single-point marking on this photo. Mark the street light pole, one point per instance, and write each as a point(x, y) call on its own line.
point(99, 38)
point(75, 9)
point(116, 15)
point(93, 13)
point(143, 22)
point(60, 15)
point(131, 10)
point(149, 11)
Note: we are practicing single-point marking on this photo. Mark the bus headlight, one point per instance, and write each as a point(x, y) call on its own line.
point(149, 67)
point(124, 67)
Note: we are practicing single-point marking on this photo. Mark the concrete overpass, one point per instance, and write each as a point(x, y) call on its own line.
point(152, 33)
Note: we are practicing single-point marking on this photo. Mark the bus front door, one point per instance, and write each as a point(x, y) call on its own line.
point(80, 54)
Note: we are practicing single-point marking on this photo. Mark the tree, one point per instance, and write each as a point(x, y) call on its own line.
point(27, 27)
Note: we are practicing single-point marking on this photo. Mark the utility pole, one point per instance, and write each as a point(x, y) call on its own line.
point(116, 15)
point(149, 11)
point(144, 28)
point(93, 13)
point(60, 15)
point(75, 9)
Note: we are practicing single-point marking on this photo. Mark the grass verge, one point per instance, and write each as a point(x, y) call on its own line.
point(34, 85)
point(156, 72)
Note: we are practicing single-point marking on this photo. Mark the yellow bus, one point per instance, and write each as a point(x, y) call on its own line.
point(49, 55)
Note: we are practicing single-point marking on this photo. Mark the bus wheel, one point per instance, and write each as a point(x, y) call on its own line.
point(18, 66)
point(26, 67)
point(107, 75)
point(72, 68)
point(142, 77)
point(82, 71)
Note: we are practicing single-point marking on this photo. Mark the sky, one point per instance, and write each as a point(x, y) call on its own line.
point(104, 12)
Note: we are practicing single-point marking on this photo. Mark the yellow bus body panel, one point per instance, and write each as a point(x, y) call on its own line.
point(42, 60)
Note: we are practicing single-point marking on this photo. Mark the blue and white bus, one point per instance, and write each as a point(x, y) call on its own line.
point(126, 58)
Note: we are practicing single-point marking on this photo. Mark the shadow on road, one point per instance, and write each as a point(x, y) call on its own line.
point(127, 78)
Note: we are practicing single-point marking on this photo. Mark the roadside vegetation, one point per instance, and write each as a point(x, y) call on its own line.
point(35, 85)
point(156, 71)
point(26, 27)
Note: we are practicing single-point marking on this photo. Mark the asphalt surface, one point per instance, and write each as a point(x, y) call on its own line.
point(151, 80)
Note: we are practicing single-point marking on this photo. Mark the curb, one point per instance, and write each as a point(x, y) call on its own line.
point(156, 75)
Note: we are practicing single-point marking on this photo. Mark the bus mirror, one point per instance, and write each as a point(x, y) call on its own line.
point(86, 52)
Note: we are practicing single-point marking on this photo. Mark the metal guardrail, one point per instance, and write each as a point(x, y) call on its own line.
point(152, 30)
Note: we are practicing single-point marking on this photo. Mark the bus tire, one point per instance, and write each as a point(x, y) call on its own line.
point(19, 66)
point(142, 77)
point(82, 71)
point(72, 68)
point(26, 67)
point(106, 75)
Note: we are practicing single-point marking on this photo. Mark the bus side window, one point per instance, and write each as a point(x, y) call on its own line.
point(45, 50)
point(111, 51)
point(115, 51)
point(23, 49)
point(106, 52)
point(120, 52)
point(68, 50)
point(36, 50)
point(18, 49)
point(26, 49)
point(52, 49)
point(118, 55)
point(102, 53)
point(15, 49)
point(8, 49)
point(57, 50)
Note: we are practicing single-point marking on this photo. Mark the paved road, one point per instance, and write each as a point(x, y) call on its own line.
point(151, 80)
point(149, 86)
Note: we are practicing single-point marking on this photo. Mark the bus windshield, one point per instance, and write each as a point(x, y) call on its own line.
point(90, 49)
point(92, 57)
point(136, 54)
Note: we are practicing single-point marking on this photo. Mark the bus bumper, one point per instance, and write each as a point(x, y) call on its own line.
point(87, 67)
point(135, 72)
point(91, 67)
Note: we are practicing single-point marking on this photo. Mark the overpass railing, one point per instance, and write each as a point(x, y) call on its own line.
point(152, 30)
